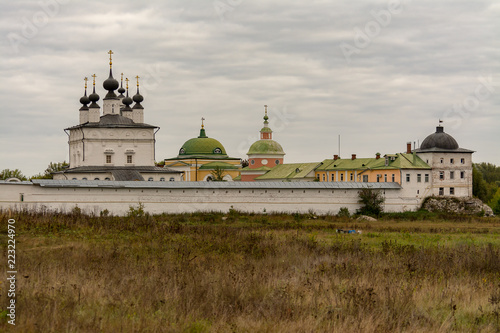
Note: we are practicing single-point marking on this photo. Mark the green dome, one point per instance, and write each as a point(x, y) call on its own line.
point(266, 146)
point(203, 145)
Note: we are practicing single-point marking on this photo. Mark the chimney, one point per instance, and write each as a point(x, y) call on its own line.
point(335, 157)
point(377, 156)
point(408, 147)
point(353, 156)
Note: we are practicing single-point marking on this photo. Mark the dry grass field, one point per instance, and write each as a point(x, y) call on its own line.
point(237, 272)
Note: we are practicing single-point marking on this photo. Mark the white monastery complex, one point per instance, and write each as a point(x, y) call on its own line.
point(112, 165)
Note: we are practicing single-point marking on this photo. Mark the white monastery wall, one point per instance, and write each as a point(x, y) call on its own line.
point(179, 198)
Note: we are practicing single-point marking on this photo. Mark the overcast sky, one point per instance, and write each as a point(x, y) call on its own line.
point(378, 73)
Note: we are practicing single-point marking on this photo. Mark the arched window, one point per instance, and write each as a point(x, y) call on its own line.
point(150, 179)
point(74, 179)
point(96, 178)
point(84, 178)
point(217, 151)
point(107, 178)
point(252, 161)
point(171, 179)
point(277, 162)
point(162, 179)
point(209, 179)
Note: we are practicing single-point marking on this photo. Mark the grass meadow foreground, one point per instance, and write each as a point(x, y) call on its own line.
point(235, 272)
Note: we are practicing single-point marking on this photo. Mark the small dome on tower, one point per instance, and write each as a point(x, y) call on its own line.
point(440, 139)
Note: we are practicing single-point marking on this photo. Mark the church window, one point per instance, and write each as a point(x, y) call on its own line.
point(74, 179)
point(407, 177)
point(452, 191)
point(277, 162)
point(419, 178)
point(150, 179)
point(96, 178)
point(108, 158)
point(452, 160)
point(452, 174)
point(107, 178)
point(182, 151)
point(252, 162)
point(442, 160)
point(441, 175)
point(462, 174)
point(84, 178)
point(162, 179)
point(129, 158)
point(217, 151)
point(426, 178)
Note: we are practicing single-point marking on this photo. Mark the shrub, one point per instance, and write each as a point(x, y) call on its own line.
point(343, 212)
point(371, 202)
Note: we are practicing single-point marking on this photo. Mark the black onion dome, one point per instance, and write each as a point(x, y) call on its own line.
point(138, 97)
point(127, 101)
point(93, 97)
point(121, 90)
point(84, 99)
point(110, 83)
point(440, 139)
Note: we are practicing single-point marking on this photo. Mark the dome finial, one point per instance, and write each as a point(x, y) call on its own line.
point(110, 60)
point(138, 97)
point(85, 100)
point(127, 100)
point(121, 90)
point(265, 115)
point(203, 134)
point(94, 76)
point(93, 97)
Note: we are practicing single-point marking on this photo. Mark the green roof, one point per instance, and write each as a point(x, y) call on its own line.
point(202, 146)
point(213, 165)
point(289, 171)
point(266, 146)
point(395, 161)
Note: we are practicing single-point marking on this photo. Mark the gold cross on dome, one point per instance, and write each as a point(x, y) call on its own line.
point(266, 108)
point(94, 76)
point(85, 79)
point(110, 61)
point(137, 77)
point(126, 80)
point(202, 125)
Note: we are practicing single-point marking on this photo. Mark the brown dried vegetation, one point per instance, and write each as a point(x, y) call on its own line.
point(252, 273)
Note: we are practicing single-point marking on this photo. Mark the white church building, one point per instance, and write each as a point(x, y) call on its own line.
point(116, 144)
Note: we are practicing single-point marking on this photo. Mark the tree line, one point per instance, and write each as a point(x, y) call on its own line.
point(486, 184)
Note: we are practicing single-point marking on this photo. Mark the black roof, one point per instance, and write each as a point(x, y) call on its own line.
point(441, 142)
point(113, 120)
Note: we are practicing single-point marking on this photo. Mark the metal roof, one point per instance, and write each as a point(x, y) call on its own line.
point(213, 185)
